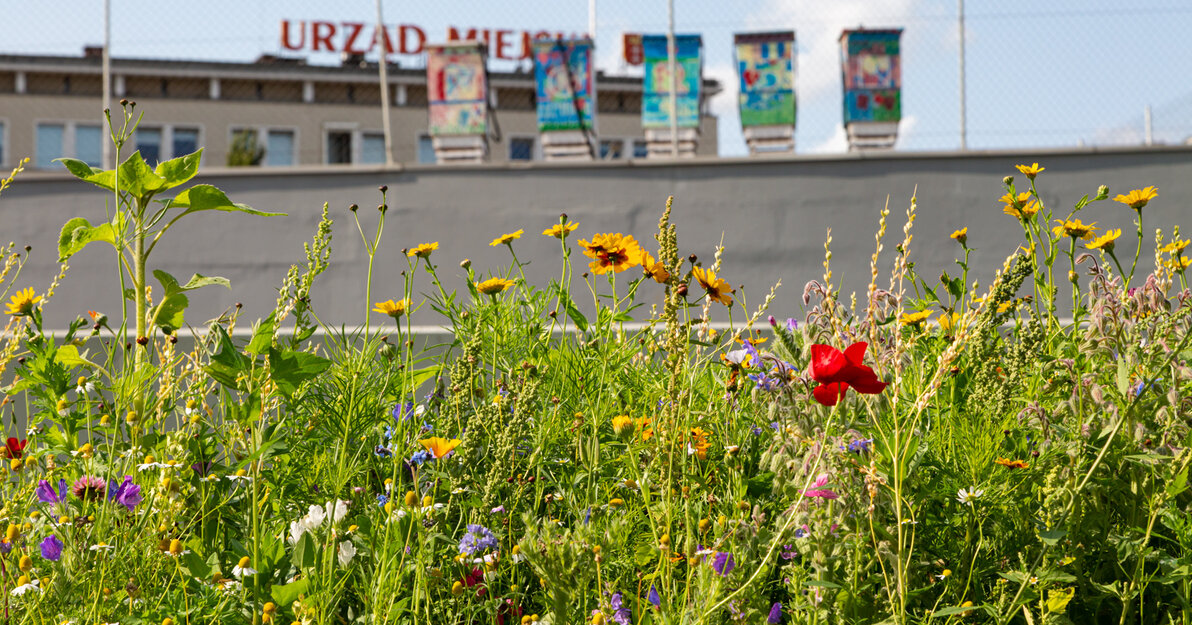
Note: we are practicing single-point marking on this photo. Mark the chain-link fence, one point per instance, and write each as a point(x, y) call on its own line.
point(296, 80)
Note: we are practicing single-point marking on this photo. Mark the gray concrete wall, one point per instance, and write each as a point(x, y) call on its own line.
point(773, 215)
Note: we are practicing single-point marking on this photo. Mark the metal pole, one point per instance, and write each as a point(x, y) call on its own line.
point(383, 65)
point(593, 117)
point(963, 124)
point(106, 62)
point(674, 81)
point(1146, 116)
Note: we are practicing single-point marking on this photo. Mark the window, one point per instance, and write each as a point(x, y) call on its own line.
point(245, 150)
point(89, 144)
point(639, 149)
point(521, 148)
point(149, 145)
point(279, 148)
point(426, 150)
point(339, 147)
point(186, 141)
point(611, 148)
point(372, 148)
point(49, 144)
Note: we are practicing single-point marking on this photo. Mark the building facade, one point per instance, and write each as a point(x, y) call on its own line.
point(292, 113)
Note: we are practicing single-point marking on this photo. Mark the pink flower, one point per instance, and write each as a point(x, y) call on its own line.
point(817, 488)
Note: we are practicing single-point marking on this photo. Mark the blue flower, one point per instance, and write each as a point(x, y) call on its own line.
point(420, 456)
point(382, 500)
point(621, 614)
point(588, 515)
point(775, 614)
point(126, 493)
point(764, 382)
point(653, 597)
point(381, 451)
point(45, 492)
point(723, 563)
point(477, 539)
point(51, 548)
point(756, 431)
point(860, 445)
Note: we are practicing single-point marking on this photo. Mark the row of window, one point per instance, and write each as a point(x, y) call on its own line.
point(271, 147)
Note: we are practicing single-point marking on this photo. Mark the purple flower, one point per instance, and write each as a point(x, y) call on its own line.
point(755, 359)
point(202, 468)
point(723, 563)
point(126, 493)
point(775, 426)
point(803, 532)
point(621, 614)
point(51, 548)
point(477, 539)
point(498, 510)
point(403, 412)
point(792, 325)
point(45, 492)
point(653, 597)
point(764, 382)
point(5, 547)
point(775, 614)
point(88, 488)
point(860, 445)
point(756, 430)
point(788, 551)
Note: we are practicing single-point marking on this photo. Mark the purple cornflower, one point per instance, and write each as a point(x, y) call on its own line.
point(723, 563)
point(45, 492)
point(88, 487)
point(775, 614)
point(792, 325)
point(498, 510)
point(476, 540)
point(653, 597)
point(125, 493)
point(51, 548)
point(621, 614)
point(764, 382)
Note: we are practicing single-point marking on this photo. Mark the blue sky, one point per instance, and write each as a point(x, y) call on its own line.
point(1040, 73)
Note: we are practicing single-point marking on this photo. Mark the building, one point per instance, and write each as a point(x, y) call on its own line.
point(298, 114)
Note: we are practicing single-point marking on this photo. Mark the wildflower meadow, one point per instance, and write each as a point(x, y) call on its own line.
point(596, 449)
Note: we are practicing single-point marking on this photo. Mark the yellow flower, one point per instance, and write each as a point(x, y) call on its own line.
point(1137, 198)
point(948, 322)
point(654, 269)
point(647, 432)
point(505, 239)
point(616, 502)
point(560, 231)
point(439, 447)
point(1012, 464)
point(423, 250)
point(23, 303)
point(1022, 206)
point(961, 235)
point(717, 288)
point(392, 308)
point(1179, 264)
point(493, 286)
point(1175, 247)
point(612, 251)
point(1031, 170)
point(915, 318)
point(623, 426)
point(1074, 228)
point(1105, 241)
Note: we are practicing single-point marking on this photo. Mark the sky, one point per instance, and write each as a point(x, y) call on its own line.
point(1039, 73)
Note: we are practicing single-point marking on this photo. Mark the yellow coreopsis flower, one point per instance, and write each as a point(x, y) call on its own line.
point(505, 239)
point(1074, 228)
point(1105, 241)
point(560, 231)
point(23, 303)
point(915, 318)
point(493, 286)
point(1179, 264)
point(392, 308)
point(614, 252)
point(1022, 206)
point(1031, 170)
point(961, 235)
point(654, 269)
point(423, 250)
point(717, 288)
point(1137, 198)
point(948, 321)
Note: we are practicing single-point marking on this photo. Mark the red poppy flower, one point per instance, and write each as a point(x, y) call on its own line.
point(15, 448)
point(836, 371)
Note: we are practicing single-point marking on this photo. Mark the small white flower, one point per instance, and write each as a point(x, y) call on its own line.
point(239, 571)
point(432, 508)
point(488, 559)
point(337, 510)
point(1034, 580)
point(397, 513)
point(149, 466)
point(32, 584)
point(85, 386)
point(456, 491)
point(101, 547)
point(968, 496)
point(238, 478)
point(705, 552)
point(314, 516)
point(347, 551)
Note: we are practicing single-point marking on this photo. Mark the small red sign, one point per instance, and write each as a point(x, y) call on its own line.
point(631, 44)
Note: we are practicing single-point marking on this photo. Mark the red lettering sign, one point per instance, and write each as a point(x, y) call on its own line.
point(361, 38)
point(353, 32)
point(321, 34)
point(405, 40)
point(285, 36)
point(631, 48)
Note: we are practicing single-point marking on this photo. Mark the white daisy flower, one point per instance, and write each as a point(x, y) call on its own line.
point(970, 495)
point(24, 585)
point(101, 547)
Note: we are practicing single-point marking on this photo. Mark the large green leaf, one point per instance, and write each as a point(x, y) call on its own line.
point(178, 171)
point(289, 369)
point(68, 355)
point(286, 594)
point(262, 336)
point(135, 176)
point(204, 197)
point(197, 281)
point(226, 364)
point(78, 232)
point(169, 314)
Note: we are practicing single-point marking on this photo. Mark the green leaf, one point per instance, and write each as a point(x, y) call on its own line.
point(262, 336)
point(304, 552)
point(178, 171)
point(1052, 537)
point(68, 355)
point(820, 584)
point(197, 281)
point(81, 170)
point(951, 611)
point(78, 232)
point(286, 594)
point(1057, 599)
point(573, 313)
point(226, 364)
point(1123, 376)
point(204, 197)
point(193, 564)
point(1178, 483)
point(168, 315)
point(289, 369)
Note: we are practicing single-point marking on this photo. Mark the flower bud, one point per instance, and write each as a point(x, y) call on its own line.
point(1102, 192)
point(1008, 180)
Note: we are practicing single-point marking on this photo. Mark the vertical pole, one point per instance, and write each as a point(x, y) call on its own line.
point(671, 52)
point(383, 66)
point(1146, 116)
point(593, 115)
point(106, 62)
point(963, 122)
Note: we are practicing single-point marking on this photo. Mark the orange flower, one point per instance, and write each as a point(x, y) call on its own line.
point(654, 269)
point(439, 447)
point(1012, 464)
point(613, 251)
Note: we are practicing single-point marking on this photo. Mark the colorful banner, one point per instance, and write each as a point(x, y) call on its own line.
point(765, 68)
point(872, 69)
point(457, 89)
point(563, 78)
point(656, 84)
